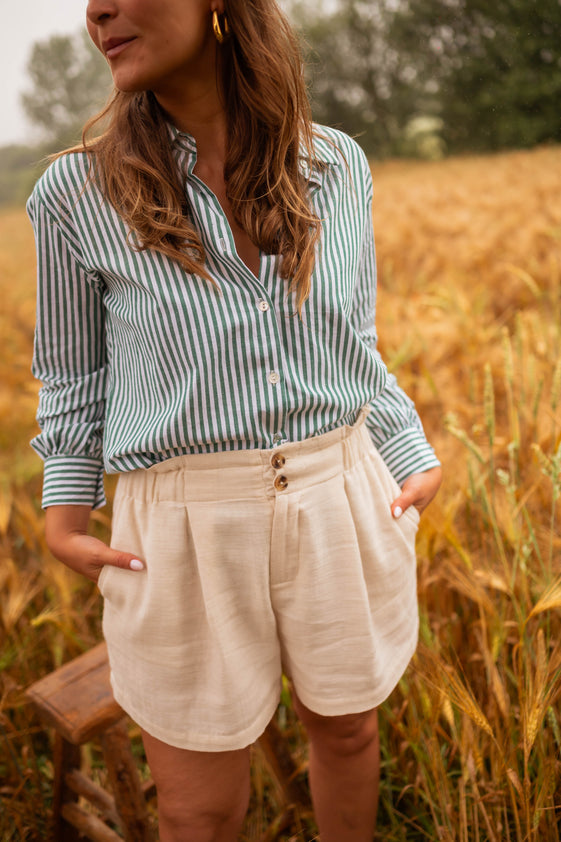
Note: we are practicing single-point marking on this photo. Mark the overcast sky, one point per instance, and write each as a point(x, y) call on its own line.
point(23, 23)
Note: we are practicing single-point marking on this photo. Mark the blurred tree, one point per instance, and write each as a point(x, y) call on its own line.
point(487, 73)
point(493, 69)
point(70, 81)
point(354, 71)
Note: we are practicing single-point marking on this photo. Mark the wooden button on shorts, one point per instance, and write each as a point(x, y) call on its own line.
point(259, 562)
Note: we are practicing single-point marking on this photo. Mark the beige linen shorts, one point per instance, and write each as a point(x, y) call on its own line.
point(259, 562)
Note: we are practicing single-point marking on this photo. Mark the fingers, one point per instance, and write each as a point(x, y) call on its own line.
point(401, 504)
point(117, 558)
point(418, 490)
point(67, 538)
point(88, 555)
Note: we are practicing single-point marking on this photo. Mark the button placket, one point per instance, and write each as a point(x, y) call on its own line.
point(278, 461)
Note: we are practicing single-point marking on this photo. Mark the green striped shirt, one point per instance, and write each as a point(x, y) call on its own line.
point(141, 361)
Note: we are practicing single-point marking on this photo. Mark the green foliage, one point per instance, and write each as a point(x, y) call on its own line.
point(485, 75)
point(70, 81)
point(353, 71)
point(494, 69)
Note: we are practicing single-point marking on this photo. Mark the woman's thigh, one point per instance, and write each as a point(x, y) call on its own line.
point(198, 788)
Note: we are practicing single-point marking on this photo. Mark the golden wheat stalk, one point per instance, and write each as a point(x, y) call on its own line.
point(550, 599)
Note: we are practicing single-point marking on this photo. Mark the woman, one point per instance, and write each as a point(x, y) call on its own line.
point(206, 330)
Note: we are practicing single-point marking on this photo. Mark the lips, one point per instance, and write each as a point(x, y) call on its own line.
point(113, 47)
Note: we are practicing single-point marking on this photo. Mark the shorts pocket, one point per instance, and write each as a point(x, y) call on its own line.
point(413, 514)
point(101, 577)
point(391, 490)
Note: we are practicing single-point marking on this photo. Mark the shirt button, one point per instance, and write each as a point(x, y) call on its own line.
point(280, 483)
point(277, 438)
point(263, 306)
point(274, 377)
point(278, 461)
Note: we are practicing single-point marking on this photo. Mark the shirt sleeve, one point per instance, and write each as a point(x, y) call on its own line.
point(393, 422)
point(70, 360)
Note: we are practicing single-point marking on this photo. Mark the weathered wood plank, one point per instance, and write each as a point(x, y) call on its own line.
point(77, 699)
point(125, 783)
point(89, 825)
point(66, 759)
point(80, 784)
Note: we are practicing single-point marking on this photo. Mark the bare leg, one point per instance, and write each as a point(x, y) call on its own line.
point(344, 773)
point(202, 796)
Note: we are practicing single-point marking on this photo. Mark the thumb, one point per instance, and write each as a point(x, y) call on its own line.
point(119, 558)
point(402, 503)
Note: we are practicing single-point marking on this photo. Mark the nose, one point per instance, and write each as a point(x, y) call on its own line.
point(99, 10)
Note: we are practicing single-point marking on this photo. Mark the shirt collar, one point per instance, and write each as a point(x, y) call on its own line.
point(326, 154)
point(325, 157)
point(184, 140)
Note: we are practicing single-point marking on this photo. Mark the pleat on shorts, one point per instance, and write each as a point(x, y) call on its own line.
point(257, 563)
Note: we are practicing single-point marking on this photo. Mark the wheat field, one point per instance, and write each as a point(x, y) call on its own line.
point(469, 255)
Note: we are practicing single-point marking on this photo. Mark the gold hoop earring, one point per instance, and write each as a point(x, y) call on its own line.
point(218, 33)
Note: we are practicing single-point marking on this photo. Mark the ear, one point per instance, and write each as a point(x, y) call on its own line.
point(217, 6)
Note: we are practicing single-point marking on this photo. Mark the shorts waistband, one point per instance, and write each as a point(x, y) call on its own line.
point(283, 469)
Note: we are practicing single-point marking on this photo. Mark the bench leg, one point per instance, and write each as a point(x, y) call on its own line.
point(66, 758)
point(125, 782)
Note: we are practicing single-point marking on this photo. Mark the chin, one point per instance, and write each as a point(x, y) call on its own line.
point(131, 83)
point(128, 86)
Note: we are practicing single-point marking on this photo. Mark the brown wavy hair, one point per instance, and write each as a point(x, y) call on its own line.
point(268, 129)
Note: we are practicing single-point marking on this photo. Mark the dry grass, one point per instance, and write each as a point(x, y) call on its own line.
point(469, 315)
point(470, 267)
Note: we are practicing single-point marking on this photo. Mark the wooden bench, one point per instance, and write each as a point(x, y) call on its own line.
point(77, 701)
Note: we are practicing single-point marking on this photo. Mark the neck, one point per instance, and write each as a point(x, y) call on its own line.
point(196, 107)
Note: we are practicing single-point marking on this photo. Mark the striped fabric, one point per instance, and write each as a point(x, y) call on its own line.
point(141, 362)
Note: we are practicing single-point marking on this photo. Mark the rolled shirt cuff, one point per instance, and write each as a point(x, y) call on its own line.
point(408, 453)
point(73, 480)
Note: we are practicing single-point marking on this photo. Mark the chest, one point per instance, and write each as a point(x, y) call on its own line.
point(247, 251)
point(135, 278)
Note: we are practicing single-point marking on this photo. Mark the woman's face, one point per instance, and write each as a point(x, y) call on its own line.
point(156, 45)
